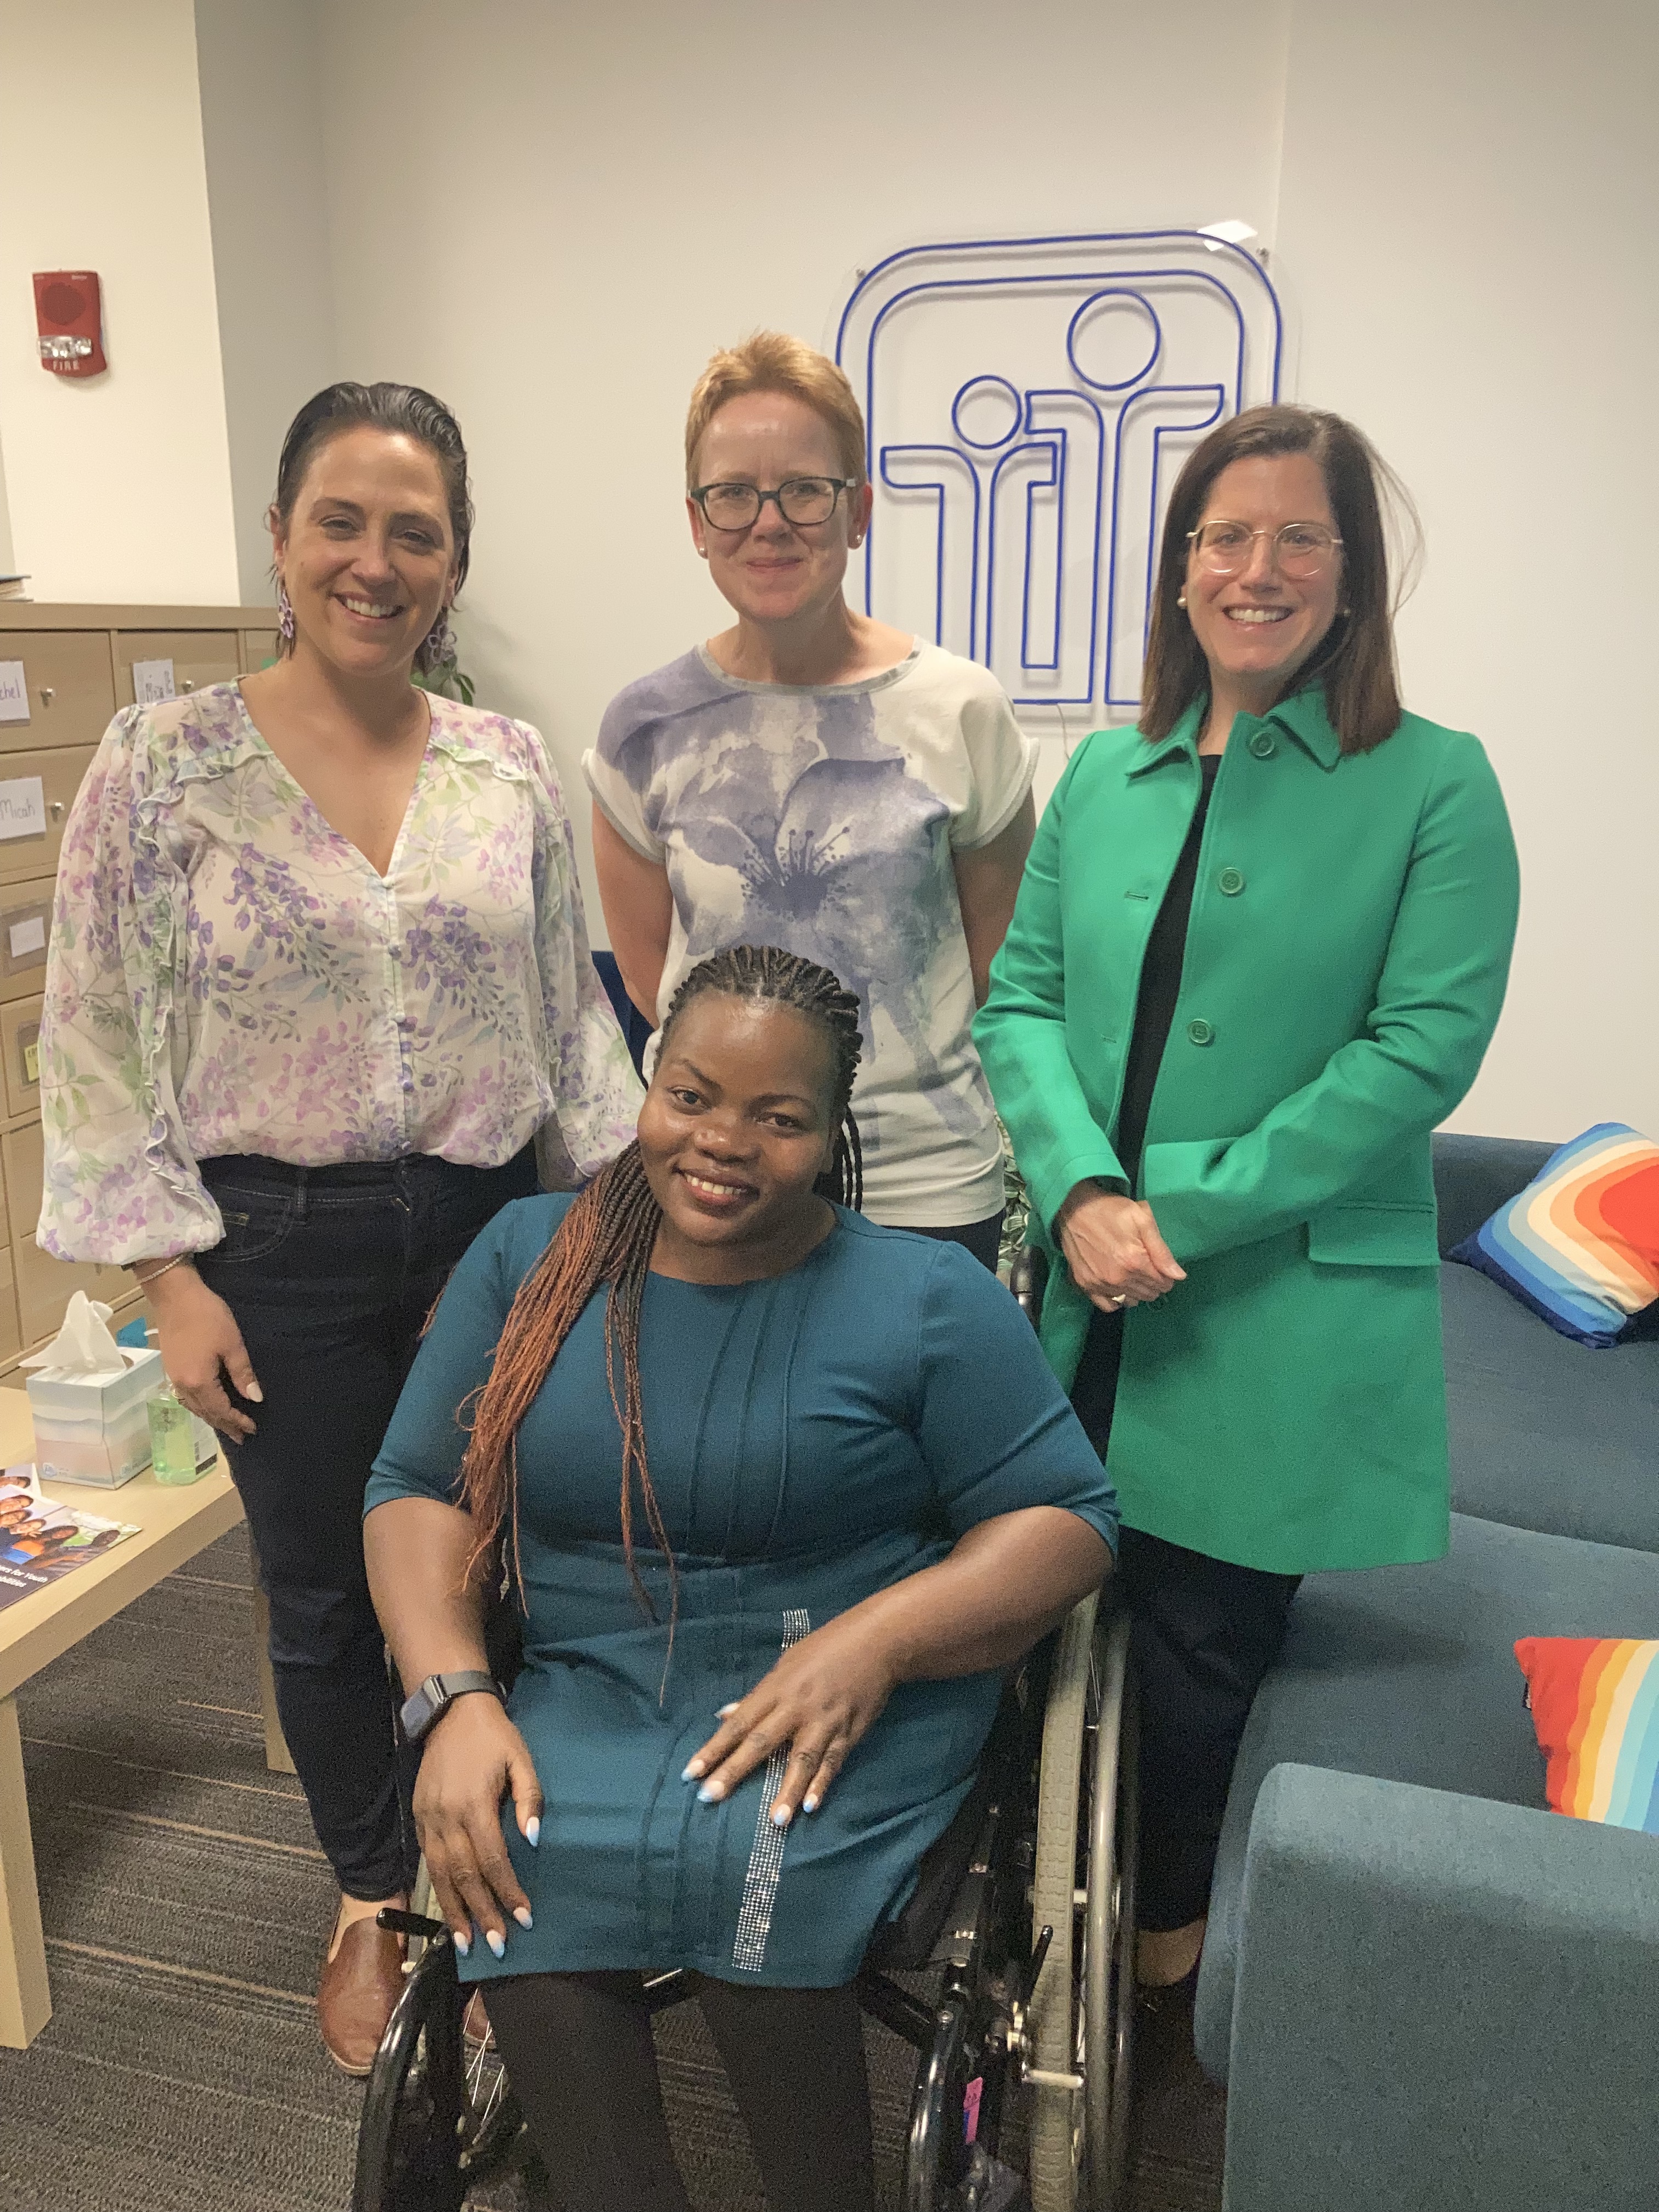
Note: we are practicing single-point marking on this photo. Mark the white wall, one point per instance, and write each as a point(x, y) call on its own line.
point(262, 122)
point(1467, 221)
point(554, 215)
point(119, 487)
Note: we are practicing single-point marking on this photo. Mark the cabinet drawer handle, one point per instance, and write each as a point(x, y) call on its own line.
point(47, 695)
point(55, 808)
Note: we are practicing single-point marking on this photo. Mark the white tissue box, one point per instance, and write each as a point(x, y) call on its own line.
point(94, 1428)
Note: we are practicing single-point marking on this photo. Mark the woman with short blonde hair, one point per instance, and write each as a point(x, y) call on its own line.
point(815, 780)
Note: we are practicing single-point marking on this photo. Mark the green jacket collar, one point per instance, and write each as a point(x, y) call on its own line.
point(1302, 716)
point(1183, 738)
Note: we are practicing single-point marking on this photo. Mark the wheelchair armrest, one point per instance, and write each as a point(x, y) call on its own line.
point(1441, 2001)
point(1028, 1278)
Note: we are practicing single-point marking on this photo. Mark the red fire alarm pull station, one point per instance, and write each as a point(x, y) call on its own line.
point(68, 310)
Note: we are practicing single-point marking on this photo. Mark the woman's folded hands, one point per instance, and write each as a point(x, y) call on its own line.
point(1115, 1250)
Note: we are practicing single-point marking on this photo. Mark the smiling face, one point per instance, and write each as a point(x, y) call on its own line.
point(1257, 627)
point(773, 571)
point(368, 555)
point(736, 1128)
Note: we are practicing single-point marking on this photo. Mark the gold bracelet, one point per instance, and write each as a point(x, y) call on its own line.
point(145, 1281)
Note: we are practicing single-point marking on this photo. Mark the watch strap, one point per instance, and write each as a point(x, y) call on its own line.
point(436, 1695)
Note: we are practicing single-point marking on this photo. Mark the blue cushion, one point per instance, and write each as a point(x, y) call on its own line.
point(1408, 1673)
point(1546, 1433)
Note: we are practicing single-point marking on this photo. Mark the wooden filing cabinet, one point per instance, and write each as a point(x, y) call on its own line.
point(77, 669)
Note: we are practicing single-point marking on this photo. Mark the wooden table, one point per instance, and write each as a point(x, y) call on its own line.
point(173, 1524)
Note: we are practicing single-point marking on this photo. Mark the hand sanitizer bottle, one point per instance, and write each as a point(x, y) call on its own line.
point(172, 1438)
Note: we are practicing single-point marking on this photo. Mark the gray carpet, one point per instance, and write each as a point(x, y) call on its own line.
point(185, 1903)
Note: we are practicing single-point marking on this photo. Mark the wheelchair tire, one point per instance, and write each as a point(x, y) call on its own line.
point(1108, 1979)
point(1081, 2016)
point(408, 2139)
point(491, 2121)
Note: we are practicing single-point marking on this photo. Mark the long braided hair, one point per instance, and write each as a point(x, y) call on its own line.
point(607, 1237)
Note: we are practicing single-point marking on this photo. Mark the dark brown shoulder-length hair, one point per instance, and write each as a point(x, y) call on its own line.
point(1356, 660)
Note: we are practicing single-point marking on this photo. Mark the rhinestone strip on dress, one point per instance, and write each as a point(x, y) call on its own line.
point(760, 1887)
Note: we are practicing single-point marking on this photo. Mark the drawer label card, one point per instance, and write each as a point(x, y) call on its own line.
point(28, 936)
point(13, 692)
point(152, 682)
point(22, 807)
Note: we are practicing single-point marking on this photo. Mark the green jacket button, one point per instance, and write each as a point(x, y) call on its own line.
point(1230, 881)
point(1200, 1032)
point(1262, 745)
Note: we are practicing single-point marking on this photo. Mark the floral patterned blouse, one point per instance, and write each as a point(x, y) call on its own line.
point(227, 973)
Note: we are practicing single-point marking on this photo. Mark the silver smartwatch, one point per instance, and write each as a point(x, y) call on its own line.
point(437, 1694)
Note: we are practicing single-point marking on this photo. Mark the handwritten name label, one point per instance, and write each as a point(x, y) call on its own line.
point(22, 807)
point(13, 692)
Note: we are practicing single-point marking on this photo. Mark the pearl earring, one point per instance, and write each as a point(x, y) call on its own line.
point(1181, 601)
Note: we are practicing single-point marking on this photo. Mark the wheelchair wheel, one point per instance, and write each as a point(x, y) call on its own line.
point(490, 2120)
point(439, 2117)
point(409, 2139)
point(1081, 2014)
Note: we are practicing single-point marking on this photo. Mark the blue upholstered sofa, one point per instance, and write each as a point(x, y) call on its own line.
point(1422, 1991)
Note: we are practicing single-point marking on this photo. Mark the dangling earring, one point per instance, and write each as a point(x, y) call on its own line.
point(439, 644)
point(284, 614)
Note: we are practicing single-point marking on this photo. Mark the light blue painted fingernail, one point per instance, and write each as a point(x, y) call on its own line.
point(710, 1793)
point(521, 1914)
point(809, 1804)
point(464, 1945)
point(691, 1769)
point(533, 1830)
point(497, 1943)
point(780, 1816)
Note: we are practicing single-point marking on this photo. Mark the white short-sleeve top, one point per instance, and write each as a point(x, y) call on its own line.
point(824, 820)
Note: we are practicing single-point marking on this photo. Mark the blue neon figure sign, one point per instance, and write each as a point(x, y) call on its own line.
point(1029, 403)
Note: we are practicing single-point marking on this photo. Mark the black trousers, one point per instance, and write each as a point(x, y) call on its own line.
point(578, 2048)
point(331, 1272)
point(1205, 1632)
point(982, 1238)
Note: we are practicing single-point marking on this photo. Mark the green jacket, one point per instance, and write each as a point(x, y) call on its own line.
point(1284, 1406)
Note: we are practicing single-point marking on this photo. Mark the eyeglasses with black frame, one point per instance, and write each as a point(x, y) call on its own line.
point(801, 500)
point(1300, 549)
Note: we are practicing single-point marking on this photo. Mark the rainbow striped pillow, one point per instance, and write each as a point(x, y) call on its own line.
point(1595, 1706)
point(1580, 1245)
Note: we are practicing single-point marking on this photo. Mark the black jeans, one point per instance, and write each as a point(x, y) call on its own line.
point(1204, 1633)
point(982, 1238)
point(331, 1272)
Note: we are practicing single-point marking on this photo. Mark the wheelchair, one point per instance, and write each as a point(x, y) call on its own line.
point(1010, 1973)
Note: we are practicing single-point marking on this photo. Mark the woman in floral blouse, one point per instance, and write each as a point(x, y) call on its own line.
point(320, 1001)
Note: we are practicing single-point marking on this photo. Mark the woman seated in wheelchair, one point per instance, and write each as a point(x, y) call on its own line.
point(778, 1509)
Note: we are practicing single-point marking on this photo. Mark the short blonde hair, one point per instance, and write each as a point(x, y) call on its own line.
point(772, 360)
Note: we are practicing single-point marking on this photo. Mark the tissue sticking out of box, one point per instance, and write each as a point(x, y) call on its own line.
point(84, 1346)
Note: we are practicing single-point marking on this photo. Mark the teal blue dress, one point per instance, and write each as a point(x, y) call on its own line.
point(813, 1438)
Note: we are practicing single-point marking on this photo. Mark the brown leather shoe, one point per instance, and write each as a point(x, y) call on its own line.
point(356, 1993)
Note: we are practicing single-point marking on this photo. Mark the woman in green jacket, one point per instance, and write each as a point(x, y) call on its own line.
point(1258, 953)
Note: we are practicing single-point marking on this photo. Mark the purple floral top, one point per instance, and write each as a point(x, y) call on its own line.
point(227, 973)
